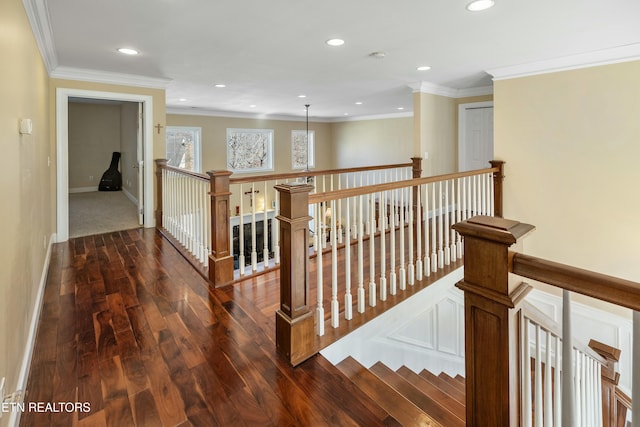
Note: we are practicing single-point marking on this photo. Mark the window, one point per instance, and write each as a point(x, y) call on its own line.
point(302, 151)
point(183, 147)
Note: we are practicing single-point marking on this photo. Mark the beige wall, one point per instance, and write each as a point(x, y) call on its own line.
point(571, 141)
point(434, 130)
point(25, 185)
point(94, 133)
point(214, 136)
point(372, 142)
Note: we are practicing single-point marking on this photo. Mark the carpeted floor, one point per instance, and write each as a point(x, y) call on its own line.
point(100, 212)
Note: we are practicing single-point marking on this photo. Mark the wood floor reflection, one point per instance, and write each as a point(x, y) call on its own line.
point(131, 330)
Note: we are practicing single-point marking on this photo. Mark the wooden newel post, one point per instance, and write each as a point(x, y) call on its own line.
point(220, 260)
point(160, 164)
point(491, 376)
point(498, 177)
point(294, 320)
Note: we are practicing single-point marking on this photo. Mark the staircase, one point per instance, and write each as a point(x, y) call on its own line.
point(412, 399)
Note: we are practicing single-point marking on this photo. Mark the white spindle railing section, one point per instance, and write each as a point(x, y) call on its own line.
point(186, 211)
point(401, 231)
point(255, 243)
point(543, 398)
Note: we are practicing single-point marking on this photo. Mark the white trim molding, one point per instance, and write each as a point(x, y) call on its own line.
point(613, 55)
point(62, 153)
point(96, 76)
point(436, 89)
point(38, 15)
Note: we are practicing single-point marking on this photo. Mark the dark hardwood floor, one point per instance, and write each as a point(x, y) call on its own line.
point(130, 329)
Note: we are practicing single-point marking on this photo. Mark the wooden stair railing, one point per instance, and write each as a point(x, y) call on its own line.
point(490, 294)
point(437, 205)
point(615, 403)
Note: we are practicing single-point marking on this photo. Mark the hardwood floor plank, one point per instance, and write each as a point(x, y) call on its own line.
point(144, 409)
point(130, 328)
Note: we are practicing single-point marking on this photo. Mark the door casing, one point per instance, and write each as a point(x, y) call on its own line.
point(62, 153)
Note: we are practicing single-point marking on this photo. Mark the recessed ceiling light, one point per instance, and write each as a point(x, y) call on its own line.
point(346, 114)
point(359, 103)
point(182, 100)
point(221, 85)
point(424, 68)
point(302, 96)
point(400, 108)
point(478, 5)
point(252, 106)
point(335, 42)
point(127, 51)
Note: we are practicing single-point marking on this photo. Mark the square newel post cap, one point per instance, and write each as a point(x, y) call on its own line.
point(499, 230)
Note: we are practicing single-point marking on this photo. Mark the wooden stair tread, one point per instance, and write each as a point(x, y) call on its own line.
point(420, 381)
point(446, 384)
point(434, 402)
point(388, 398)
point(460, 385)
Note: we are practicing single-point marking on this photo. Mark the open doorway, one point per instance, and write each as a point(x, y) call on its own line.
point(103, 133)
point(137, 171)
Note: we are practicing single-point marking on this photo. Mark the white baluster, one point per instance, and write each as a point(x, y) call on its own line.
point(339, 216)
point(635, 388)
point(418, 233)
point(392, 242)
point(372, 252)
point(440, 228)
point(525, 380)
point(411, 272)
point(446, 213)
point(276, 228)
point(402, 272)
point(538, 381)
point(383, 247)
point(348, 299)
point(254, 245)
point(557, 401)
point(427, 263)
point(568, 385)
point(335, 316)
point(319, 308)
point(361, 301)
point(434, 258)
point(241, 259)
point(265, 230)
point(548, 401)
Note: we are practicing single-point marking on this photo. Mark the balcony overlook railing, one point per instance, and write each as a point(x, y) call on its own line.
point(491, 355)
point(227, 226)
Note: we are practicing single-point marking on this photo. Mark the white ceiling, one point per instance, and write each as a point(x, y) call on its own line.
point(270, 52)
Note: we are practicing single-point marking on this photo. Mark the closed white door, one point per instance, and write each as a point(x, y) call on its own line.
point(475, 139)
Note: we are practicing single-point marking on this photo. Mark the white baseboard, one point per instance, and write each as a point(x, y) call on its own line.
point(83, 189)
point(14, 419)
point(130, 196)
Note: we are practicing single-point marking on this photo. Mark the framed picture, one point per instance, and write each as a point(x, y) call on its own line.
point(249, 150)
point(302, 151)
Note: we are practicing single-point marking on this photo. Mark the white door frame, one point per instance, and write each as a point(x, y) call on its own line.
point(62, 153)
point(462, 124)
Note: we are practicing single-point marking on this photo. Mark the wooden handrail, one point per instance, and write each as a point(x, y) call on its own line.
point(596, 285)
point(302, 174)
point(196, 175)
point(550, 325)
point(369, 189)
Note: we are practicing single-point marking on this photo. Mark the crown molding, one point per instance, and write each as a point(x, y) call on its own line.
point(38, 15)
point(96, 76)
point(188, 111)
point(614, 55)
point(436, 89)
